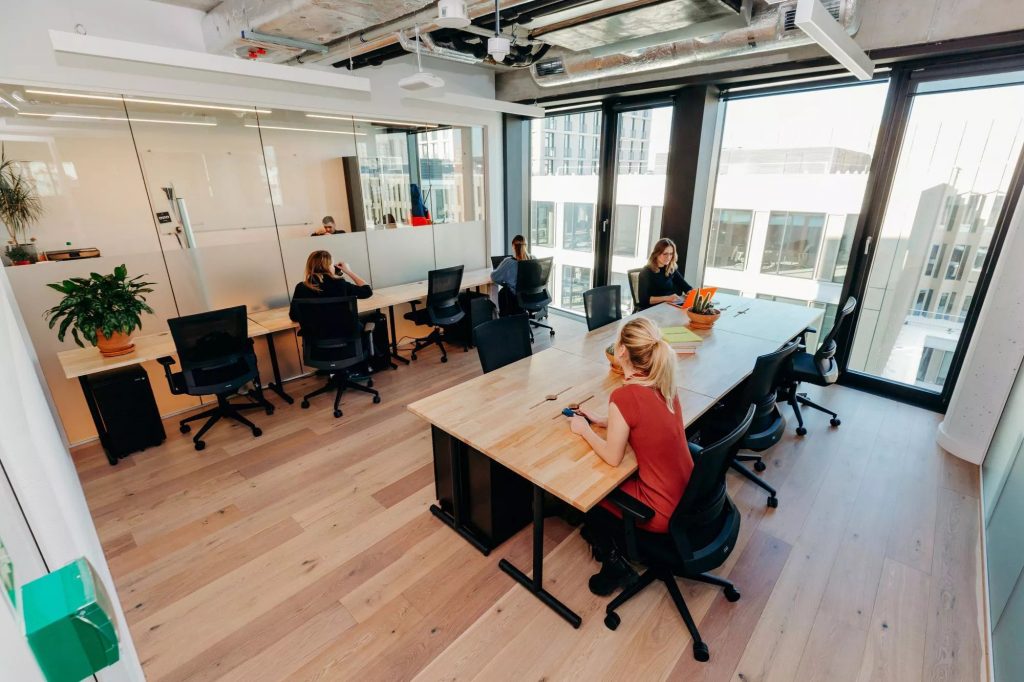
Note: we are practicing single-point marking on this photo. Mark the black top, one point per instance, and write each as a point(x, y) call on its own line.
point(331, 287)
point(659, 284)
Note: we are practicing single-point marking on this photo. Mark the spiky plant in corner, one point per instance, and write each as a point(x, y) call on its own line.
point(104, 309)
point(20, 206)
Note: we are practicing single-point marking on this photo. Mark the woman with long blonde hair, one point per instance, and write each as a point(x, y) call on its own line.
point(645, 413)
point(325, 279)
point(660, 281)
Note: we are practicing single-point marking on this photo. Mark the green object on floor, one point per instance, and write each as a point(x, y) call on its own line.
point(69, 623)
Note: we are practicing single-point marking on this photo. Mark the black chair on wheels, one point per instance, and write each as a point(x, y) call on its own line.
point(497, 260)
point(503, 341)
point(634, 286)
point(702, 533)
point(332, 342)
point(531, 290)
point(819, 368)
point(217, 358)
point(602, 305)
point(442, 308)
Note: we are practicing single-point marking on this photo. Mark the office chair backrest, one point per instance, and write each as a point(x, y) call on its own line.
point(705, 509)
point(332, 337)
point(634, 286)
point(760, 386)
point(823, 357)
point(503, 341)
point(214, 350)
point(531, 283)
point(443, 287)
point(602, 305)
point(497, 260)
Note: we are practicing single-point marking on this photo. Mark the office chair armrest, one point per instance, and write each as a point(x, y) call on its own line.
point(166, 363)
point(630, 506)
point(695, 450)
point(369, 327)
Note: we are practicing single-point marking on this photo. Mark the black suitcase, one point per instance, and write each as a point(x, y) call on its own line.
point(124, 410)
point(478, 308)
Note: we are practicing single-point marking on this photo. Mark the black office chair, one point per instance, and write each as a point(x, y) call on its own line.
point(634, 286)
point(531, 290)
point(702, 533)
point(819, 368)
point(602, 305)
point(760, 390)
point(217, 358)
point(503, 341)
point(332, 342)
point(442, 308)
point(497, 260)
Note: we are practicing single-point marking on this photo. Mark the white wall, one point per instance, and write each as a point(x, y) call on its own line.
point(42, 473)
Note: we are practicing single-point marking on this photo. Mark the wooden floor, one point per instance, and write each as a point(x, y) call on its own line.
point(309, 554)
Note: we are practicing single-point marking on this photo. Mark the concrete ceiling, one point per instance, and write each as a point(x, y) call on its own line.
point(202, 5)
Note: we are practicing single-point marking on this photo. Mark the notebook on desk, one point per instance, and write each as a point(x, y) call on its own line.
point(682, 339)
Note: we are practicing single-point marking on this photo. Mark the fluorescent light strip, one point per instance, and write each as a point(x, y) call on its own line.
point(302, 130)
point(373, 120)
point(570, 107)
point(115, 118)
point(136, 100)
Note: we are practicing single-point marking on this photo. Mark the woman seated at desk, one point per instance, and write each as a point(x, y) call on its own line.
point(660, 280)
point(324, 279)
point(506, 273)
point(645, 413)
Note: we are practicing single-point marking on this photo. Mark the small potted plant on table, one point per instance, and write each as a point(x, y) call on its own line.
point(703, 314)
point(105, 309)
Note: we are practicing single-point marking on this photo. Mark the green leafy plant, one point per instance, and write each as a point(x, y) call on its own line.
point(18, 253)
point(703, 305)
point(100, 303)
point(20, 205)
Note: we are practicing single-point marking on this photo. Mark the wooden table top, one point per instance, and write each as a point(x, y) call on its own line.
point(534, 440)
point(276, 319)
point(83, 361)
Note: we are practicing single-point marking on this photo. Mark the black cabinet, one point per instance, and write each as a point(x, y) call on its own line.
point(124, 411)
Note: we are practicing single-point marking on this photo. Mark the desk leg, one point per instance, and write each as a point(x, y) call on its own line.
point(97, 420)
point(277, 387)
point(536, 584)
point(394, 336)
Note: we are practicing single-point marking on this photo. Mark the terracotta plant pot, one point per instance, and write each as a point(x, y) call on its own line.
point(22, 262)
point(609, 353)
point(112, 346)
point(698, 321)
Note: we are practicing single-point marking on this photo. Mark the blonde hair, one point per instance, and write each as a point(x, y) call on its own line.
point(659, 248)
point(519, 248)
point(319, 265)
point(651, 357)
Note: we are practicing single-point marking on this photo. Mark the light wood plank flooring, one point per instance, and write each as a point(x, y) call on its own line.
point(309, 554)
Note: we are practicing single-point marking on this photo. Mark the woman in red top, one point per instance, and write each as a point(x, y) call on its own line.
point(645, 413)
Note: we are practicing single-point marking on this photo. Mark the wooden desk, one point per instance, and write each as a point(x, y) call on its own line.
point(504, 417)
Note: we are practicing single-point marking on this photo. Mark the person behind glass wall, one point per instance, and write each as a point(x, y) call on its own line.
point(327, 226)
point(505, 276)
point(660, 281)
point(325, 279)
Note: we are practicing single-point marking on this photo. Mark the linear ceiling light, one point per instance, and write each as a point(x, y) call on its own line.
point(137, 100)
point(302, 130)
point(816, 21)
point(373, 120)
point(117, 118)
point(570, 107)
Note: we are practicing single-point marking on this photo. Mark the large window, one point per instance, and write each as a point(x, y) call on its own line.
point(578, 227)
point(730, 237)
point(627, 222)
point(575, 280)
point(542, 223)
point(792, 243)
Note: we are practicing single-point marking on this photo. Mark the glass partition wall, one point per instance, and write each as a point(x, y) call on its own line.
point(220, 205)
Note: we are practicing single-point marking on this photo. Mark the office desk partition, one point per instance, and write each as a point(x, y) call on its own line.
point(504, 416)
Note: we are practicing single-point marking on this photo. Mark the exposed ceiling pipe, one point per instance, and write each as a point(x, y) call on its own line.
point(387, 34)
point(768, 31)
point(434, 50)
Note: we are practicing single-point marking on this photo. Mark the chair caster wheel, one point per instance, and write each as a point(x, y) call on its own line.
point(200, 445)
point(773, 502)
point(732, 594)
point(444, 359)
point(552, 333)
point(305, 404)
point(835, 421)
point(612, 620)
point(700, 652)
point(369, 383)
point(801, 431)
point(337, 414)
point(184, 428)
point(257, 432)
point(269, 411)
point(759, 466)
point(376, 399)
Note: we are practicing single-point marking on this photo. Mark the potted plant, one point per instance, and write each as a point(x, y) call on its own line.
point(105, 309)
point(703, 312)
point(20, 206)
point(609, 353)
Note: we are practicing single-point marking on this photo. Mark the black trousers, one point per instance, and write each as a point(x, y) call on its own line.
point(605, 532)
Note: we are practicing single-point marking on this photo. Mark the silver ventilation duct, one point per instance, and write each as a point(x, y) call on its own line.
point(771, 28)
point(429, 48)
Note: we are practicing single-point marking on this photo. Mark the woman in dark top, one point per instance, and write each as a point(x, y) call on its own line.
point(660, 280)
point(324, 280)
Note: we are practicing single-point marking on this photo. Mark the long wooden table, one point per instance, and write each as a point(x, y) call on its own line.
point(505, 417)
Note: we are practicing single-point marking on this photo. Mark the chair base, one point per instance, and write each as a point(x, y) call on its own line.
point(338, 382)
point(795, 400)
point(434, 338)
point(226, 410)
point(700, 649)
point(773, 499)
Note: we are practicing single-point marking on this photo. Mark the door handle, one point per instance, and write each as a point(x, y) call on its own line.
point(867, 244)
point(604, 225)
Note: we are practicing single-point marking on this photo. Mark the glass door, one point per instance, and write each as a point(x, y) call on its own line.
point(955, 164)
point(563, 201)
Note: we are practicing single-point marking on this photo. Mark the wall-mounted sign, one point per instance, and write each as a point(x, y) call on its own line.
point(163, 217)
